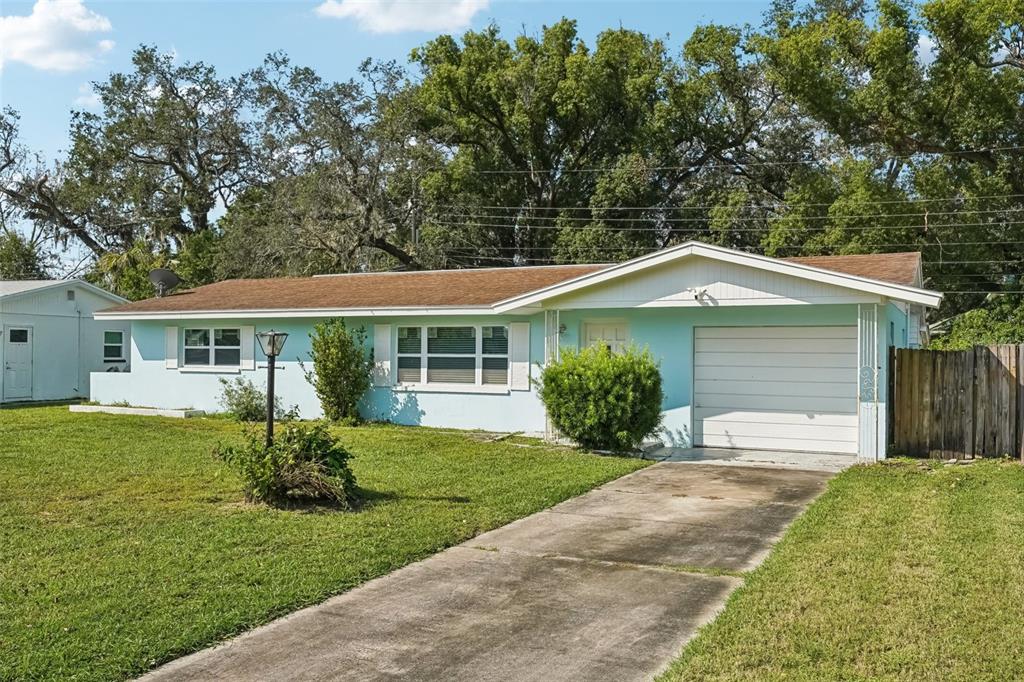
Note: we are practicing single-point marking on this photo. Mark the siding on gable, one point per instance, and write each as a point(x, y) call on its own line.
point(724, 284)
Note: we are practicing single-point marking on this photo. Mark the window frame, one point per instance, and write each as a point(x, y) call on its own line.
point(121, 355)
point(211, 347)
point(478, 356)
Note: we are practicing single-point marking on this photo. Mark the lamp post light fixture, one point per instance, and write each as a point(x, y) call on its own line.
point(271, 343)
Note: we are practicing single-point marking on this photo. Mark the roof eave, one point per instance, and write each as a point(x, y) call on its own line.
point(406, 311)
point(896, 291)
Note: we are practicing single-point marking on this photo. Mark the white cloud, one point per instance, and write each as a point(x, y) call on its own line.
point(87, 97)
point(59, 35)
point(396, 16)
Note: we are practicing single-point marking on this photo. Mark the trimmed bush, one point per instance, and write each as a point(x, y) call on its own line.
point(305, 464)
point(603, 400)
point(341, 370)
point(242, 400)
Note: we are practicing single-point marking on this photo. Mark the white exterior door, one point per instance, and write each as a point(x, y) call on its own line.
point(615, 335)
point(17, 362)
point(776, 388)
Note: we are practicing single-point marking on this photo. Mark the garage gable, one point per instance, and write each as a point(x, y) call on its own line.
point(697, 274)
point(705, 282)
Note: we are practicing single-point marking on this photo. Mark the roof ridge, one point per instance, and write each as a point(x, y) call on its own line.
point(460, 270)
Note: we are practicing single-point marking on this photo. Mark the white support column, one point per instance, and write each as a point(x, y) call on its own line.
point(870, 446)
point(552, 323)
point(551, 336)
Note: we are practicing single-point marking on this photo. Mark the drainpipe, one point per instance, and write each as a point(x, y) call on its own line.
point(78, 352)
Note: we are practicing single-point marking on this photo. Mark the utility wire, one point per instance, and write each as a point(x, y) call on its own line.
point(705, 218)
point(775, 205)
point(726, 164)
point(797, 230)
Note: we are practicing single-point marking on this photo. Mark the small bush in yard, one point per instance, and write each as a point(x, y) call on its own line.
point(305, 464)
point(246, 403)
point(603, 400)
point(341, 370)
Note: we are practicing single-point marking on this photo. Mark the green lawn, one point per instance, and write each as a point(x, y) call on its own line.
point(123, 543)
point(910, 571)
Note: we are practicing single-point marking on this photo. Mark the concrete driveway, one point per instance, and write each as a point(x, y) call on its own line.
point(608, 585)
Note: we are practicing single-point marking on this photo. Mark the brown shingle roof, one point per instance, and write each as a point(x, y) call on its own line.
point(443, 288)
point(896, 268)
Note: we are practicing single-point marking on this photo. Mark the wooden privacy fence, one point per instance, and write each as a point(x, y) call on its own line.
point(961, 404)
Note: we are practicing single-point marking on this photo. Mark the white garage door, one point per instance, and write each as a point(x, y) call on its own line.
point(777, 388)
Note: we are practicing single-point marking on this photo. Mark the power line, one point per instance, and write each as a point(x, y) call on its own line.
point(779, 204)
point(725, 164)
point(703, 219)
point(718, 230)
point(932, 245)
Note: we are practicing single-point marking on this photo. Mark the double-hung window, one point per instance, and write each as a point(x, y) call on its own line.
point(113, 345)
point(213, 347)
point(474, 355)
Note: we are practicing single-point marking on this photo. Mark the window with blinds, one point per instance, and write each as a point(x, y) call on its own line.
point(494, 363)
point(453, 355)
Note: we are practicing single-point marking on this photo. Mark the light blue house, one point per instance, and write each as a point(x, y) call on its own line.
point(755, 352)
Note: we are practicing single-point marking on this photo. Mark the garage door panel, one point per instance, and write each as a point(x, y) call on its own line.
point(778, 332)
point(775, 360)
point(792, 388)
point(770, 375)
point(797, 431)
point(769, 402)
point(801, 345)
point(805, 389)
point(727, 414)
point(763, 443)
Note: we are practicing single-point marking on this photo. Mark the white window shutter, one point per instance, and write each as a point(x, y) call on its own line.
point(171, 347)
point(519, 356)
point(382, 355)
point(248, 335)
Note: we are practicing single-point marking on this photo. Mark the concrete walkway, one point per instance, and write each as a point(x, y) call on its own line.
point(779, 459)
point(608, 585)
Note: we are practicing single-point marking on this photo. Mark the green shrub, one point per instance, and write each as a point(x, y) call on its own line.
point(341, 370)
point(242, 400)
point(305, 464)
point(603, 400)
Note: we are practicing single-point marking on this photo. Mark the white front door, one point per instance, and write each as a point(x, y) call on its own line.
point(17, 362)
point(615, 335)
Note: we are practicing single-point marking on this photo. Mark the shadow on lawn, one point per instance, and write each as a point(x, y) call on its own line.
point(369, 498)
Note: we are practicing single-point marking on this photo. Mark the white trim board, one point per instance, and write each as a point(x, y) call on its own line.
point(63, 283)
point(860, 290)
point(799, 270)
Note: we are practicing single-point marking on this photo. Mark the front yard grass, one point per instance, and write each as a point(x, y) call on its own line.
point(124, 544)
point(909, 570)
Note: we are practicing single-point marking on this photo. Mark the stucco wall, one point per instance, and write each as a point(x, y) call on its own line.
point(152, 384)
point(667, 332)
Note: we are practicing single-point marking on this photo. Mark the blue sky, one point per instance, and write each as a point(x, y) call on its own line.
point(51, 49)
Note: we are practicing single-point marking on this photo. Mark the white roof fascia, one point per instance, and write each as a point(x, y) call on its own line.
point(65, 282)
point(897, 291)
point(292, 313)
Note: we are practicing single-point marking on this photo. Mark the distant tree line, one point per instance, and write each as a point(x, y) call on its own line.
point(833, 127)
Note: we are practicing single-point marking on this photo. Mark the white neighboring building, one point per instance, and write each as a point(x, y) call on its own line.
point(51, 342)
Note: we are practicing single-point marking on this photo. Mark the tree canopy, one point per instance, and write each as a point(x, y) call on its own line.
point(830, 128)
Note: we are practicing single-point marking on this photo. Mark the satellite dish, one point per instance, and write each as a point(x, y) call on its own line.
point(164, 280)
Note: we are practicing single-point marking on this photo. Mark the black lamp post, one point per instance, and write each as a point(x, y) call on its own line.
point(271, 343)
